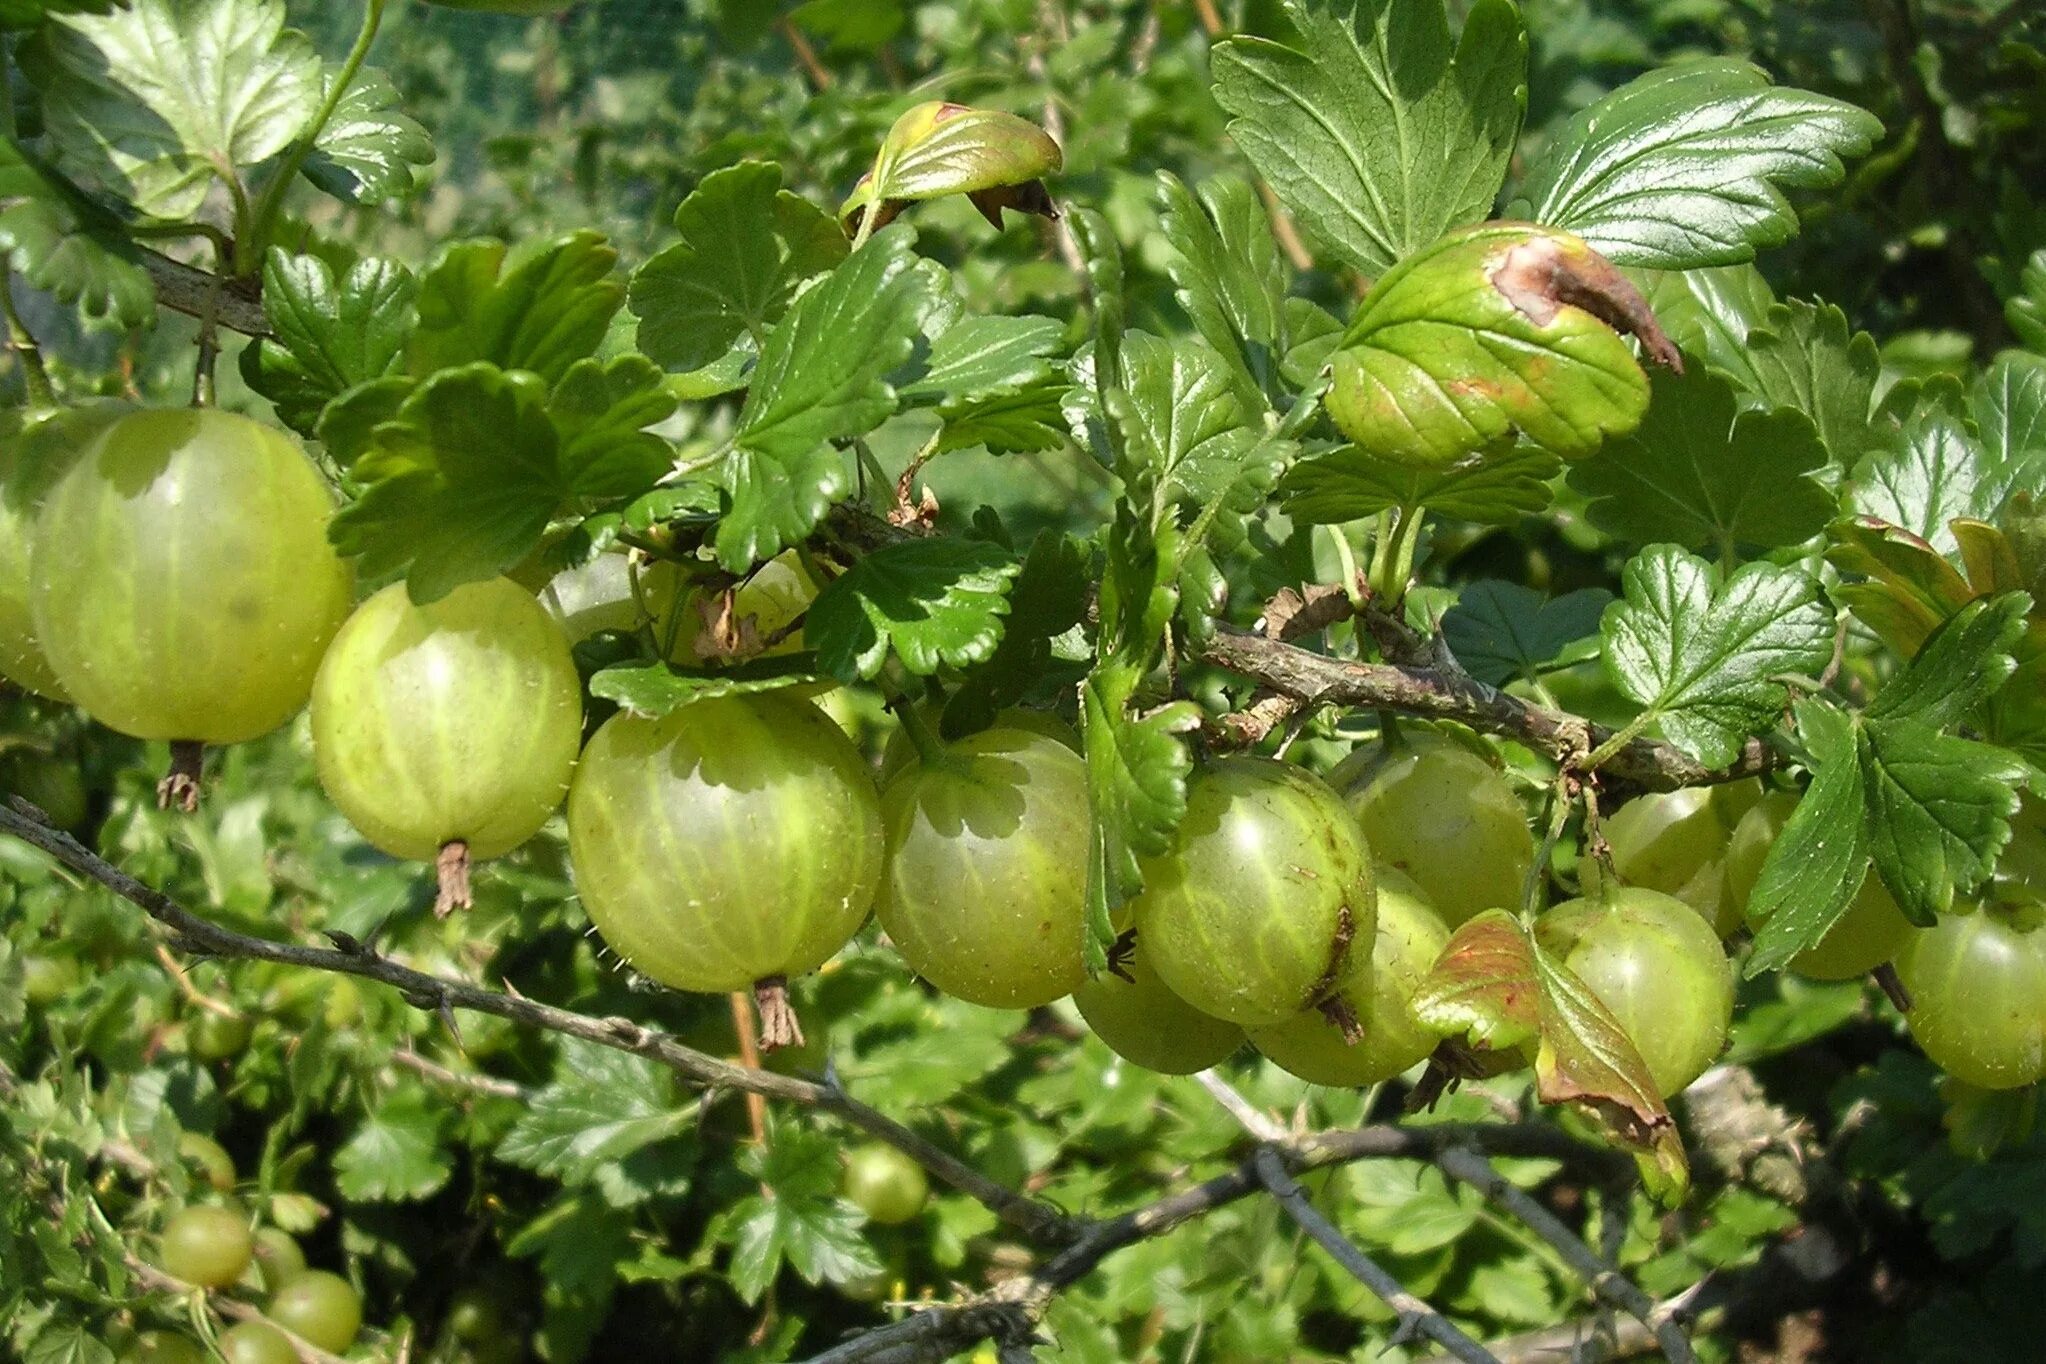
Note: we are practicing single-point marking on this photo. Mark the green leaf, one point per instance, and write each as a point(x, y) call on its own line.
point(1229, 276)
point(1136, 771)
point(2026, 309)
point(1700, 472)
point(1712, 312)
point(1470, 340)
point(66, 246)
point(1048, 598)
point(1909, 589)
point(17, 14)
point(801, 1220)
point(328, 337)
point(924, 1068)
point(602, 1106)
point(1817, 864)
point(1961, 666)
point(1804, 356)
point(1704, 660)
point(982, 357)
point(1929, 474)
point(1499, 630)
point(821, 379)
point(540, 308)
point(656, 689)
point(1022, 422)
point(1939, 811)
point(1376, 128)
point(396, 1155)
point(601, 411)
point(579, 1243)
point(348, 425)
point(746, 245)
point(1187, 441)
point(933, 603)
point(1346, 483)
point(366, 151)
point(159, 99)
point(1681, 167)
point(67, 1343)
point(2009, 406)
point(462, 482)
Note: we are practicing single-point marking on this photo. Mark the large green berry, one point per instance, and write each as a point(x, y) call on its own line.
point(986, 891)
point(181, 583)
point(1658, 968)
point(206, 1245)
point(453, 721)
point(732, 841)
point(1379, 993)
point(1251, 914)
point(1445, 817)
point(1142, 1021)
point(1977, 981)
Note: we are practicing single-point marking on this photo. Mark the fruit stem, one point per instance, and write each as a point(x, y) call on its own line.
point(180, 784)
point(1893, 985)
point(778, 1025)
point(452, 870)
point(1337, 1011)
point(930, 749)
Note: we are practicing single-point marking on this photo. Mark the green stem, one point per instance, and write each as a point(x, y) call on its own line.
point(41, 397)
point(1558, 811)
point(255, 237)
point(1627, 735)
point(930, 749)
point(1347, 557)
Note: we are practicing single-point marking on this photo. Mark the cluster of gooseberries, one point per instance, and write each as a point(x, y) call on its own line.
point(739, 841)
point(213, 1245)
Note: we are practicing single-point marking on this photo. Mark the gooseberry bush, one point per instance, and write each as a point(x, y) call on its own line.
point(911, 680)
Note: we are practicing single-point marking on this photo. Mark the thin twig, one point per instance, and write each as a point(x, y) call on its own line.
point(1607, 1284)
point(458, 1079)
point(749, 1056)
point(1417, 1318)
point(1259, 1125)
point(440, 995)
point(806, 55)
point(192, 993)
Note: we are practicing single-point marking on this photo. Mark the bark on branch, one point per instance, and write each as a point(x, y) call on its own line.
point(1442, 694)
point(235, 305)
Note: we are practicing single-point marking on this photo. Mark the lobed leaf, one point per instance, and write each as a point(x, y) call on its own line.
point(540, 308)
point(1347, 482)
point(1681, 167)
point(328, 336)
point(1500, 630)
point(1817, 864)
point(1700, 472)
point(747, 245)
point(63, 244)
point(1707, 661)
point(932, 603)
point(1377, 128)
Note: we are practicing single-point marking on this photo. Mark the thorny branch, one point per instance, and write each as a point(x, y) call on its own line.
point(1008, 1313)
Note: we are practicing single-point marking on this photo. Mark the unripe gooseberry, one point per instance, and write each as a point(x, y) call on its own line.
point(1142, 1021)
point(206, 1245)
point(1379, 990)
point(181, 582)
point(986, 890)
point(1659, 970)
point(734, 842)
point(32, 458)
point(1977, 981)
point(1675, 842)
point(256, 1342)
point(447, 731)
point(320, 1306)
point(885, 1184)
point(1440, 813)
point(1251, 914)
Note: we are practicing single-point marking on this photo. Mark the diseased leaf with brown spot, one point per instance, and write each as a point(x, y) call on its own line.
point(1494, 329)
point(1483, 985)
point(1494, 987)
point(996, 159)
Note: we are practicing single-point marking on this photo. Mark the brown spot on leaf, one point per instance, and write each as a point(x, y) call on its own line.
point(1546, 273)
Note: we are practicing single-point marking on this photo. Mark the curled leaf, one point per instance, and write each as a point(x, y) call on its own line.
point(995, 159)
point(1494, 329)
